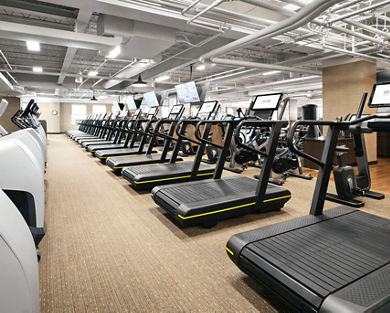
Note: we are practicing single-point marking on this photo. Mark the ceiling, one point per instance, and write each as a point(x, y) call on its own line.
point(183, 40)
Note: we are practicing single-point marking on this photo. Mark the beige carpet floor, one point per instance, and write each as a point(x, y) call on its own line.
point(111, 249)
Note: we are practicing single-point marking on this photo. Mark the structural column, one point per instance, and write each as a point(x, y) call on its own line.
point(343, 86)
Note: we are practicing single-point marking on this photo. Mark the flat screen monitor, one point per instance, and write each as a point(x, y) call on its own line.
point(380, 96)
point(130, 103)
point(208, 107)
point(187, 93)
point(176, 109)
point(152, 111)
point(136, 113)
point(151, 99)
point(267, 102)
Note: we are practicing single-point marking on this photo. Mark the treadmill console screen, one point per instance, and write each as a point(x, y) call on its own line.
point(136, 113)
point(151, 99)
point(187, 93)
point(130, 103)
point(267, 102)
point(176, 109)
point(208, 107)
point(152, 111)
point(380, 96)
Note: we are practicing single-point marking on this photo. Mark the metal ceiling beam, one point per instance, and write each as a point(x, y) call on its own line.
point(82, 21)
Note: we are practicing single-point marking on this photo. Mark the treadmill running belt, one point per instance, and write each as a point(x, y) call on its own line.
point(103, 154)
point(120, 162)
point(94, 148)
point(214, 199)
point(322, 257)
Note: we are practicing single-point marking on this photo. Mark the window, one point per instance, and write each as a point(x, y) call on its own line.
point(99, 109)
point(79, 112)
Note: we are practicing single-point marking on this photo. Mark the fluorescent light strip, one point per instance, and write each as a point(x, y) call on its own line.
point(33, 45)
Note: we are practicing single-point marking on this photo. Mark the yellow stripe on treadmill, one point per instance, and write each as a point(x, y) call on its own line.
point(218, 211)
point(273, 199)
point(232, 208)
point(228, 250)
point(169, 178)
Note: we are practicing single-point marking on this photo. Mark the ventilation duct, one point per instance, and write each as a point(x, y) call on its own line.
point(141, 40)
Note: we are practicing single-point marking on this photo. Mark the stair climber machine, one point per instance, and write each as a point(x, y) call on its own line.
point(138, 128)
point(145, 177)
point(19, 283)
point(117, 163)
point(28, 121)
point(336, 260)
point(22, 167)
point(205, 202)
point(348, 184)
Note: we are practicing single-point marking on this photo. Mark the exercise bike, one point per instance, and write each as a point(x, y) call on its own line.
point(348, 184)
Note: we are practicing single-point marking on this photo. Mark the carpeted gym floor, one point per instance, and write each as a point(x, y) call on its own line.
point(111, 249)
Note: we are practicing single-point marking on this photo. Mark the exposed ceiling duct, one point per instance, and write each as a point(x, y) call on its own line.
point(141, 40)
point(57, 36)
point(305, 15)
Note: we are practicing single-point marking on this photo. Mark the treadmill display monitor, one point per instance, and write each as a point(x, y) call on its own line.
point(136, 113)
point(130, 103)
point(187, 93)
point(380, 96)
point(176, 109)
point(208, 107)
point(267, 102)
point(151, 99)
point(152, 111)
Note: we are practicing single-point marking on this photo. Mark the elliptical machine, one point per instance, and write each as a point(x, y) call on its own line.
point(348, 184)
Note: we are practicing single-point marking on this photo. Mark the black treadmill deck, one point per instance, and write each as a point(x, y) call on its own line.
point(201, 202)
point(119, 162)
point(318, 262)
point(148, 176)
point(106, 153)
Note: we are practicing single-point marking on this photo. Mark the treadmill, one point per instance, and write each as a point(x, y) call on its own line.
point(336, 260)
point(101, 132)
point(119, 162)
point(129, 148)
point(206, 201)
point(130, 138)
point(114, 132)
point(145, 177)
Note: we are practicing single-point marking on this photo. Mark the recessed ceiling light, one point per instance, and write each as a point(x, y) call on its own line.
point(291, 7)
point(33, 45)
point(270, 73)
point(92, 73)
point(201, 67)
point(114, 52)
point(162, 78)
point(37, 69)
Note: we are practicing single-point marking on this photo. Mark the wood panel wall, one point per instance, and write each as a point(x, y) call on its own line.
point(343, 86)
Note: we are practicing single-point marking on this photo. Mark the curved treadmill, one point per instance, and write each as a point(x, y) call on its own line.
point(130, 147)
point(130, 139)
point(145, 177)
point(332, 261)
point(207, 201)
point(120, 162)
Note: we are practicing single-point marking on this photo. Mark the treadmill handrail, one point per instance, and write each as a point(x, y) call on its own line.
point(179, 129)
point(256, 123)
point(162, 121)
point(199, 137)
point(342, 125)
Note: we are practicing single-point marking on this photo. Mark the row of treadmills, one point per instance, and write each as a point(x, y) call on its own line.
point(22, 201)
point(336, 260)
